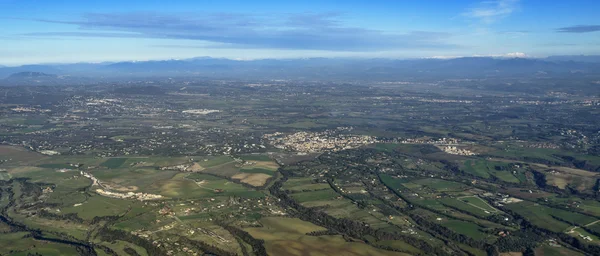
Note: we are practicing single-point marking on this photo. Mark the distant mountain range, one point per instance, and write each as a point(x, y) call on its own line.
point(30, 75)
point(313, 68)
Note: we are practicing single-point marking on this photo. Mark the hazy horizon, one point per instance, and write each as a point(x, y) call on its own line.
point(73, 31)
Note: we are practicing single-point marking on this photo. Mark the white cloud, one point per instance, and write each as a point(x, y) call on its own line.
point(492, 11)
point(516, 55)
point(505, 55)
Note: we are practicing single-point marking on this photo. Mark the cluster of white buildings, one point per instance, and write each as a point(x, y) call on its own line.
point(440, 141)
point(200, 111)
point(129, 195)
point(457, 151)
point(24, 109)
point(49, 152)
point(310, 142)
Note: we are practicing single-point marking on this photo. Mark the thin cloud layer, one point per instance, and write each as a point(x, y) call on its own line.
point(579, 29)
point(306, 31)
point(492, 11)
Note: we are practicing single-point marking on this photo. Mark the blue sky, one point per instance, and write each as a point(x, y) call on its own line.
point(114, 30)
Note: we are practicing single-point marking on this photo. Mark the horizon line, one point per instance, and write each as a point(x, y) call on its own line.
point(495, 56)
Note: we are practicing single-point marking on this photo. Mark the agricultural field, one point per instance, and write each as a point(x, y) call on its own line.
point(319, 195)
point(124, 248)
point(467, 207)
point(113, 163)
point(547, 217)
point(187, 166)
point(502, 170)
point(252, 172)
point(18, 155)
point(465, 228)
point(479, 203)
point(304, 184)
point(562, 177)
point(287, 236)
point(18, 244)
point(215, 186)
point(97, 205)
point(556, 250)
point(440, 185)
point(256, 157)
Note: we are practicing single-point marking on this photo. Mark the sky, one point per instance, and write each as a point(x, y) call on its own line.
point(70, 31)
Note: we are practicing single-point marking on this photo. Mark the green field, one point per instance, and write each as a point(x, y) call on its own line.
point(120, 247)
point(475, 200)
point(303, 184)
point(459, 204)
point(212, 183)
point(16, 244)
point(97, 205)
point(257, 170)
point(539, 215)
point(114, 163)
point(386, 146)
point(466, 228)
point(440, 185)
point(293, 182)
point(68, 192)
point(396, 184)
point(214, 161)
point(571, 217)
point(547, 250)
point(287, 236)
point(315, 195)
point(142, 221)
point(529, 153)
point(255, 158)
point(400, 245)
point(478, 168)
point(56, 166)
point(505, 176)
point(19, 155)
point(474, 251)
point(485, 168)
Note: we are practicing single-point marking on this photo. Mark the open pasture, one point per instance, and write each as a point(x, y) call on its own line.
point(132, 179)
point(466, 228)
point(97, 205)
point(549, 250)
point(113, 163)
point(547, 217)
point(215, 186)
point(252, 179)
point(19, 155)
point(120, 247)
point(466, 207)
point(255, 157)
point(209, 162)
point(303, 184)
point(478, 202)
point(318, 195)
point(287, 236)
point(501, 170)
point(199, 186)
point(17, 244)
point(440, 185)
